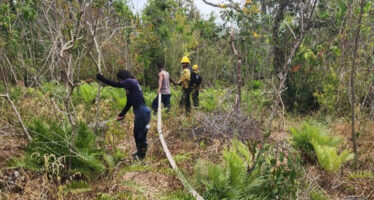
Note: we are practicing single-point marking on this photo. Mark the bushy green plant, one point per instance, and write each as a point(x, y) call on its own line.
point(209, 99)
point(74, 187)
point(104, 196)
point(149, 95)
point(256, 84)
point(175, 97)
point(271, 177)
point(88, 92)
point(327, 96)
point(16, 92)
point(318, 194)
point(254, 100)
point(54, 142)
point(302, 138)
point(302, 82)
point(53, 89)
point(316, 143)
point(361, 174)
point(329, 159)
point(119, 97)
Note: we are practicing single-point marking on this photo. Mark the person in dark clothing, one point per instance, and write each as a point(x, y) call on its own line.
point(135, 99)
point(164, 80)
point(196, 87)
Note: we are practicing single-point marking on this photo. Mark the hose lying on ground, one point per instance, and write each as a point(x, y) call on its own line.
point(170, 157)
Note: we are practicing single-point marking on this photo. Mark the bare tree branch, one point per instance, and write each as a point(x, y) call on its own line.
point(7, 97)
point(234, 6)
point(238, 71)
point(352, 81)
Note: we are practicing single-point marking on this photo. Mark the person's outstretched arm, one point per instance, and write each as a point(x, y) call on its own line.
point(108, 82)
point(124, 111)
point(171, 80)
point(160, 79)
point(185, 76)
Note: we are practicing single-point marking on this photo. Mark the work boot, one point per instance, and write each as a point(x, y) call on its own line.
point(140, 154)
point(136, 157)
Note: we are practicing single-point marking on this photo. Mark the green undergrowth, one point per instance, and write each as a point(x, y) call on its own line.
point(178, 195)
point(255, 99)
point(315, 142)
point(273, 177)
point(318, 194)
point(74, 187)
point(62, 150)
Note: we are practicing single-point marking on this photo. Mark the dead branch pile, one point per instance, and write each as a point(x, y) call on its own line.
point(225, 126)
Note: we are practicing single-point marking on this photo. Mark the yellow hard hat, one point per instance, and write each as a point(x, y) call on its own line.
point(195, 67)
point(185, 60)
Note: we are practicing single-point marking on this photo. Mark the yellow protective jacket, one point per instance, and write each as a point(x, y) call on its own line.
point(185, 78)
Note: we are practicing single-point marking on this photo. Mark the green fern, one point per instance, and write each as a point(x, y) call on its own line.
point(88, 163)
point(361, 174)
point(302, 138)
point(52, 147)
point(104, 196)
point(75, 187)
point(210, 98)
point(109, 161)
point(52, 88)
point(329, 159)
point(316, 143)
point(119, 97)
point(182, 157)
point(318, 194)
point(231, 180)
point(88, 92)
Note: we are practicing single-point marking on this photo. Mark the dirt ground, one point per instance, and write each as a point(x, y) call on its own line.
point(153, 178)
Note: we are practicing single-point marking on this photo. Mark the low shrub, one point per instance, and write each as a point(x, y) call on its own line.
point(316, 143)
point(255, 100)
point(210, 99)
point(272, 177)
point(56, 145)
point(318, 194)
point(87, 92)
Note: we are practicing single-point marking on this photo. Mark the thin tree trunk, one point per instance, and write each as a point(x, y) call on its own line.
point(7, 97)
point(25, 131)
point(238, 72)
point(353, 73)
point(99, 86)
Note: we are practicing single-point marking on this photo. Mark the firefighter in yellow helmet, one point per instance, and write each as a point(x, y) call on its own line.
point(184, 81)
point(195, 84)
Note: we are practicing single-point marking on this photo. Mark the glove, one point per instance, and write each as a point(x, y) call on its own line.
point(99, 77)
point(119, 118)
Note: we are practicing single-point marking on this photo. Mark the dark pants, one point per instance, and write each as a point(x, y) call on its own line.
point(185, 99)
point(195, 96)
point(141, 127)
point(165, 99)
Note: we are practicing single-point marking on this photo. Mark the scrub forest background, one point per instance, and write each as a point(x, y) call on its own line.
point(286, 105)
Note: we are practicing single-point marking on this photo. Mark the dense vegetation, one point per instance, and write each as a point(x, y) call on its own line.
point(286, 109)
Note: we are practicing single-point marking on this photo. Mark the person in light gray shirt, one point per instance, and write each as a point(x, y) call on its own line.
point(164, 80)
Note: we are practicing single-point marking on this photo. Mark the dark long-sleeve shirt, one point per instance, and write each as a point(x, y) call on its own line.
point(134, 92)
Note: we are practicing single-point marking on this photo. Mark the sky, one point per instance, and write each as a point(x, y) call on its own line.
point(205, 9)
